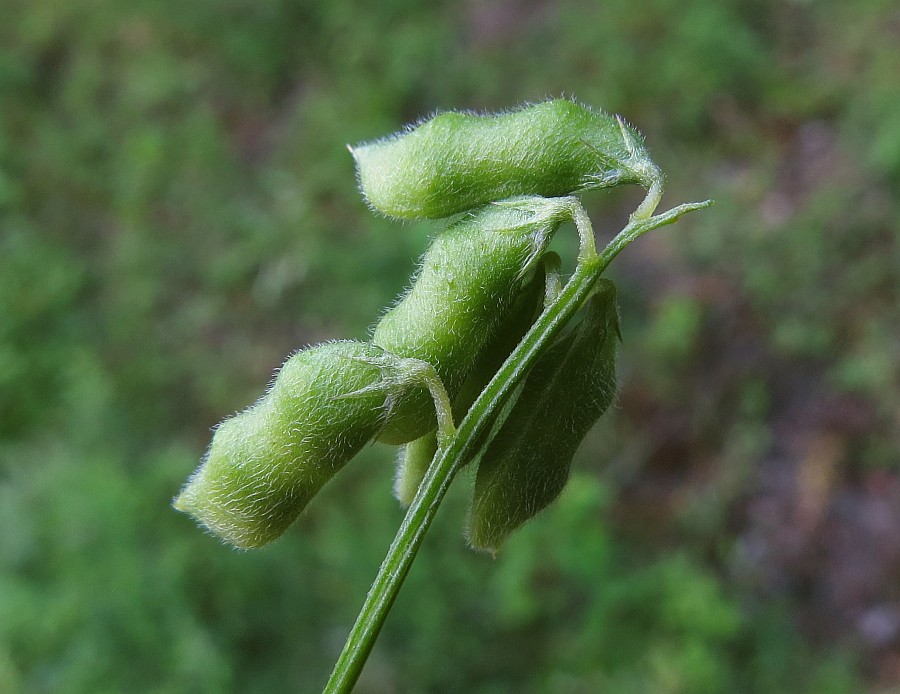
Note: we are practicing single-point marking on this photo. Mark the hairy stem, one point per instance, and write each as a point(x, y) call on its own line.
point(450, 456)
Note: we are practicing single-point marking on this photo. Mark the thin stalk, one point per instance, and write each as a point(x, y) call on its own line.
point(450, 457)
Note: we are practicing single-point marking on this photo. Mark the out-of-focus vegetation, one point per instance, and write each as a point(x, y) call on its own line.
point(177, 213)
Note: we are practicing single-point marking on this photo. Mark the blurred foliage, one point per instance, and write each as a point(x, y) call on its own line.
point(177, 213)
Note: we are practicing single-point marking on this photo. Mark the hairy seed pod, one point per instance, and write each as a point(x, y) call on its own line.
point(464, 288)
point(457, 161)
point(526, 464)
point(414, 457)
point(413, 460)
point(265, 463)
point(526, 307)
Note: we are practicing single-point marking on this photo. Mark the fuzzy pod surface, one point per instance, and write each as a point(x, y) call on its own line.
point(265, 463)
point(462, 292)
point(413, 460)
point(525, 308)
point(414, 457)
point(526, 464)
point(456, 161)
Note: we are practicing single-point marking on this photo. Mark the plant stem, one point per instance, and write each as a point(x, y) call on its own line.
point(450, 457)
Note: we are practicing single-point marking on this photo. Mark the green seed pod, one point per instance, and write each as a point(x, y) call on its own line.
point(526, 465)
point(464, 288)
point(414, 458)
point(265, 463)
point(526, 308)
point(457, 161)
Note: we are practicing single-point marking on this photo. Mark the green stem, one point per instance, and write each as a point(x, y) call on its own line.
point(449, 458)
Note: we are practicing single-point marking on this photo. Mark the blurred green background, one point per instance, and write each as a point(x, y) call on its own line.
point(178, 212)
